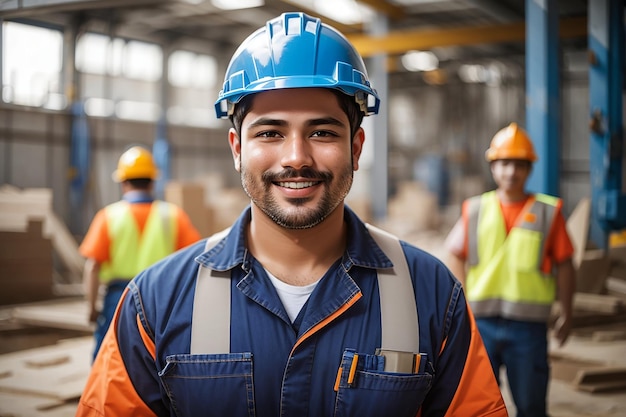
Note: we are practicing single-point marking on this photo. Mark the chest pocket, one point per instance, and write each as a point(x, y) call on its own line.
point(366, 390)
point(210, 384)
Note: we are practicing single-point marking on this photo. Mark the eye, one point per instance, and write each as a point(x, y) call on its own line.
point(324, 134)
point(268, 134)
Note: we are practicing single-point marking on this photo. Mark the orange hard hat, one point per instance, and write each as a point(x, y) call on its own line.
point(512, 142)
point(135, 163)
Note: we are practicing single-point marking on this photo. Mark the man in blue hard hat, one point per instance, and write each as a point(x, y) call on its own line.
point(299, 308)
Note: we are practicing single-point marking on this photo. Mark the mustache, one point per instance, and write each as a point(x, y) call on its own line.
point(289, 173)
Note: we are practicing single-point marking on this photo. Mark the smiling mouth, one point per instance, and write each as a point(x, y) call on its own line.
point(297, 185)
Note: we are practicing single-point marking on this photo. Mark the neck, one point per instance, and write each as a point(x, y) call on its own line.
point(511, 196)
point(297, 256)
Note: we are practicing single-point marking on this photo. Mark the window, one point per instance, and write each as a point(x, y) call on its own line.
point(187, 69)
point(142, 61)
point(99, 54)
point(193, 78)
point(120, 77)
point(32, 65)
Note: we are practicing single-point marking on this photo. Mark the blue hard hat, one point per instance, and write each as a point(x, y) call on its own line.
point(295, 50)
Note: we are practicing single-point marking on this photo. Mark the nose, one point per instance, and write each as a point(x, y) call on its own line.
point(296, 152)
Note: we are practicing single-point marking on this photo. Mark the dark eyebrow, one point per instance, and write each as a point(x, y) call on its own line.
point(325, 121)
point(266, 121)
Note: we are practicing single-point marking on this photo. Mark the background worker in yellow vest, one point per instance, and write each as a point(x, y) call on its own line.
point(504, 249)
point(128, 236)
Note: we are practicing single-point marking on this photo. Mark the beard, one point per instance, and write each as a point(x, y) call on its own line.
point(293, 213)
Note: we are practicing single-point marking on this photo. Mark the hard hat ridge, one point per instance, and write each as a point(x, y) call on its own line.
point(511, 142)
point(135, 163)
point(295, 50)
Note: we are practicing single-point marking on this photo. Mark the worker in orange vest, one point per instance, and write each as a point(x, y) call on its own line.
point(129, 235)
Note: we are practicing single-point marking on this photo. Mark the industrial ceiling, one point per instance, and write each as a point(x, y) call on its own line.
point(456, 29)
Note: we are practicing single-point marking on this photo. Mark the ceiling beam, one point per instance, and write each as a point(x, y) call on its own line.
point(399, 42)
point(14, 9)
point(391, 10)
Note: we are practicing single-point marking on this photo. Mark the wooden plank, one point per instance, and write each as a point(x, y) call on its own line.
point(603, 386)
point(28, 405)
point(69, 363)
point(26, 265)
point(617, 285)
point(587, 318)
point(608, 335)
point(598, 303)
point(36, 203)
point(587, 375)
point(565, 368)
point(65, 245)
point(601, 379)
point(578, 229)
point(592, 271)
point(61, 314)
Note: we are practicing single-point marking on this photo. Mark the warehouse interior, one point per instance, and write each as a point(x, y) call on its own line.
point(83, 80)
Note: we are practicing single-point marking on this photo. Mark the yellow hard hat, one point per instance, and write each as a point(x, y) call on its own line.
point(512, 142)
point(135, 163)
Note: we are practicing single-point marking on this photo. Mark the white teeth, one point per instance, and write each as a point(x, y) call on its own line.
point(296, 185)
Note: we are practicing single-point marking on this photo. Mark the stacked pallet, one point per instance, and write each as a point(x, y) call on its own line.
point(31, 235)
point(45, 381)
point(25, 265)
point(599, 311)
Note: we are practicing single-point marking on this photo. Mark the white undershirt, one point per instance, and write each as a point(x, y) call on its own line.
point(293, 297)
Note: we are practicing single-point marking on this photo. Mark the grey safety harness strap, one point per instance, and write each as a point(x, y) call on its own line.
point(210, 325)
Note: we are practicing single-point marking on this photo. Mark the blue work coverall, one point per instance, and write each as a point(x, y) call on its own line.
point(279, 368)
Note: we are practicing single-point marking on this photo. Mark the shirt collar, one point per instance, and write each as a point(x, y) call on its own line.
point(361, 251)
point(138, 196)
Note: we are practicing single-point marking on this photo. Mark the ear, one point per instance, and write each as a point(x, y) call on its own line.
point(357, 147)
point(235, 147)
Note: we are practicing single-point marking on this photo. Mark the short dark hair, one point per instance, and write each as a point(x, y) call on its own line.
point(140, 183)
point(346, 102)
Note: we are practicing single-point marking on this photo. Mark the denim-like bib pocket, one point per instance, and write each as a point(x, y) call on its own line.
point(210, 384)
point(372, 392)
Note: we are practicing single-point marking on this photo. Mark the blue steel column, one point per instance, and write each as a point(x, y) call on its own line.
point(606, 45)
point(543, 108)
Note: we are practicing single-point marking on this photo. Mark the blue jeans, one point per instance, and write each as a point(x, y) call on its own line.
point(111, 298)
point(522, 347)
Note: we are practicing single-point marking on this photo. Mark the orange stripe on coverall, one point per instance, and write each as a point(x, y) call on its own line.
point(473, 380)
point(328, 319)
point(148, 343)
point(113, 394)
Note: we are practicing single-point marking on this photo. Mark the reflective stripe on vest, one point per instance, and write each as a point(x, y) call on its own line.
point(131, 251)
point(397, 299)
point(505, 277)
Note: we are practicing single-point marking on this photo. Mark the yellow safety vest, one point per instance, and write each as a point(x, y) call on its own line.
point(505, 277)
point(132, 251)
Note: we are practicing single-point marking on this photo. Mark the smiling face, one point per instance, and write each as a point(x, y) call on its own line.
point(295, 155)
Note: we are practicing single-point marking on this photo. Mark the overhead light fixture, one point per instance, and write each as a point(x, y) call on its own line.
point(237, 4)
point(420, 61)
point(348, 12)
point(476, 73)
